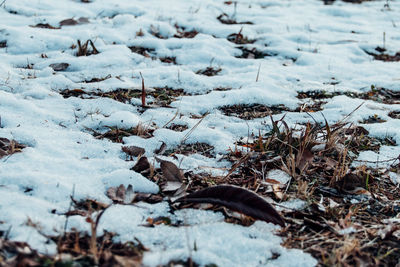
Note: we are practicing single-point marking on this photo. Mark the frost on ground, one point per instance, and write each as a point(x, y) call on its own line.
point(71, 76)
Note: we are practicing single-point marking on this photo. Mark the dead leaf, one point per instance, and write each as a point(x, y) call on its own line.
point(171, 186)
point(161, 149)
point(237, 199)
point(279, 190)
point(170, 171)
point(59, 66)
point(133, 151)
point(72, 22)
point(142, 165)
point(121, 194)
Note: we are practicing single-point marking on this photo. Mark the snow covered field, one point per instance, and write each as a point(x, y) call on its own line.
point(206, 56)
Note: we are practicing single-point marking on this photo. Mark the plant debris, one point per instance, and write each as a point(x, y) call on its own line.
point(162, 96)
point(318, 159)
point(238, 38)
point(9, 147)
point(394, 114)
point(181, 32)
point(133, 151)
point(378, 94)
point(116, 135)
point(142, 166)
point(76, 249)
point(83, 49)
point(96, 80)
point(195, 148)
point(44, 26)
point(248, 112)
point(121, 195)
point(177, 127)
point(372, 119)
point(238, 199)
point(382, 56)
point(226, 19)
point(59, 66)
point(144, 51)
point(72, 21)
point(169, 60)
point(209, 71)
point(252, 53)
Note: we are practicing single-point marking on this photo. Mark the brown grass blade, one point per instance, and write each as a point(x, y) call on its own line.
point(143, 92)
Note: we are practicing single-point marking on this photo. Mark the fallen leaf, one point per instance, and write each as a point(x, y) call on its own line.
point(171, 186)
point(72, 22)
point(59, 66)
point(134, 151)
point(237, 199)
point(161, 149)
point(142, 165)
point(121, 194)
point(170, 171)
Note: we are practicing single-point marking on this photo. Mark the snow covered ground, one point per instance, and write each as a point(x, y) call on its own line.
point(307, 46)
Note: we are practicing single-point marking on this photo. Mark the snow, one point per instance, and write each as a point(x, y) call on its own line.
point(394, 177)
point(311, 43)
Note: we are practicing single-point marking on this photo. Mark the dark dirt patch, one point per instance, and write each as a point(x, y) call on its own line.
point(311, 107)
point(177, 127)
point(9, 147)
point(322, 94)
point(223, 89)
point(382, 56)
point(372, 119)
point(188, 149)
point(3, 44)
point(182, 32)
point(226, 19)
point(378, 94)
point(150, 53)
point(394, 114)
point(209, 71)
point(248, 112)
point(382, 95)
point(163, 96)
point(144, 51)
point(252, 53)
point(116, 135)
point(238, 38)
point(330, 2)
point(169, 60)
point(96, 80)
